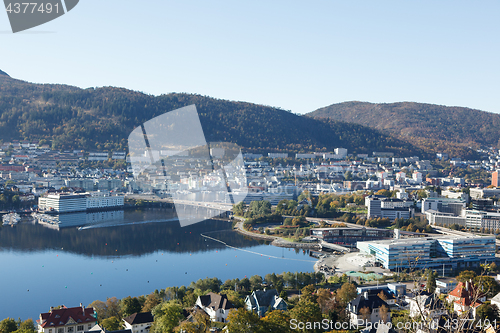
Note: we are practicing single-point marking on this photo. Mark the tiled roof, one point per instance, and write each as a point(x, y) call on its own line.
point(388, 295)
point(265, 297)
point(216, 301)
point(467, 302)
point(196, 309)
point(139, 318)
point(373, 302)
point(60, 317)
point(461, 292)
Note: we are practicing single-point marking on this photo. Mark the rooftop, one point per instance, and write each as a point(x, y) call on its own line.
point(60, 317)
point(139, 318)
point(406, 241)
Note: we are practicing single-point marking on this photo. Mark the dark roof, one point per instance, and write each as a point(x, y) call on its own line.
point(431, 301)
point(196, 309)
point(216, 301)
point(139, 318)
point(377, 291)
point(265, 297)
point(60, 317)
point(373, 302)
point(466, 292)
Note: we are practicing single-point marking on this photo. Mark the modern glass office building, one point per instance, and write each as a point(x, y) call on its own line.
point(440, 253)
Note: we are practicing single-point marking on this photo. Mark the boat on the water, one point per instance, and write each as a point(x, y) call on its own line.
point(11, 219)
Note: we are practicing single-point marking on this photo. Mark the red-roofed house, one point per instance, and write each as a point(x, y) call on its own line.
point(67, 320)
point(466, 297)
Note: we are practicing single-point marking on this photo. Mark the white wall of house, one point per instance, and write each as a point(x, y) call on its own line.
point(138, 328)
point(77, 328)
point(219, 315)
point(374, 317)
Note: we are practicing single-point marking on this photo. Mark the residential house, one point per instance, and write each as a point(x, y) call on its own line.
point(466, 298)
point(190, 315)
point(395, 289)
point(139, 322)
point(261, 300)
point(67, 320)
point(426, 306)
point(386, 296)
point(496, 300)
point(368, 308)
point(215, 305)
point(98, 329)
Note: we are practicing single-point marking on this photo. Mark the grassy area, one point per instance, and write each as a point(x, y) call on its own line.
point(361, 210)
point(291, 240)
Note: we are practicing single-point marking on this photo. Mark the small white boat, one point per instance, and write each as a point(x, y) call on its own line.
point(11, 219)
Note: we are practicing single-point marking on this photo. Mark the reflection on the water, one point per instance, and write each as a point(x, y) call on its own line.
point(107, 218)
point(129, 232)
point(87, 220)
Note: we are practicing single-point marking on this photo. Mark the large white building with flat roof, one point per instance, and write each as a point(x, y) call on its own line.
point(388, 208)
point(481, 219)
point(79, 202)
point(443, 252)
point(443, 219)
point(63, 203)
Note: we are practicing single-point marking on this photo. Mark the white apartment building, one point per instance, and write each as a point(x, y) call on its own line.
point(277, 155)
point(72, 202)
point(104, 200)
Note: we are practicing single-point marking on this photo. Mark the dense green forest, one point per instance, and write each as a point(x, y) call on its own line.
point(102, 118)
point(436, 127)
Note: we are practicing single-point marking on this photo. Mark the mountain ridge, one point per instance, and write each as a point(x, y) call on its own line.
point(102, 119)
point(420, 121)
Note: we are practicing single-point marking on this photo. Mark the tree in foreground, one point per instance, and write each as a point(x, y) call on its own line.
point(325, 299)
point(465, 276)
point(243, 321)
point(347, 293)
point(152, 300)
point(27, 326)
point(8, 325)
point(113, 308)
point(100, 308)
point(200, 324)
point(167, 316)
point(276, 321)
point(130, 305)
point(488, 311)
point(431, 281)
point(111, 324)
point(306, 311)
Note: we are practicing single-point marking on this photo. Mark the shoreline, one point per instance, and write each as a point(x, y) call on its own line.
point(280, 242)
point(276, 241)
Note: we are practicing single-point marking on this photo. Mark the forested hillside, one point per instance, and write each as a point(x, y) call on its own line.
point(426, 125)
point(102, 118)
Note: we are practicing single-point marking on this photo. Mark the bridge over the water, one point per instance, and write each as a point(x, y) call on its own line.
point(334, 247)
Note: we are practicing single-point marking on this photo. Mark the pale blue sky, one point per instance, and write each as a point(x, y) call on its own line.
point(298, 55)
